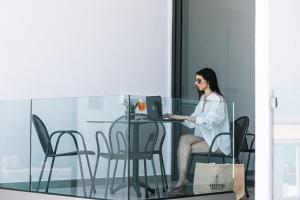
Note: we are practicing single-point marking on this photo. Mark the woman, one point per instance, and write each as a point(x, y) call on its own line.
point(209, 119)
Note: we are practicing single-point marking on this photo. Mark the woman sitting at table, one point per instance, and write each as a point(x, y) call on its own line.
point(209, 119)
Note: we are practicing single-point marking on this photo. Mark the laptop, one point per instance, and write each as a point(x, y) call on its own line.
point(154, 109)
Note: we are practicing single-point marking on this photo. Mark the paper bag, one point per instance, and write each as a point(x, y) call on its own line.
point(239, 181)
point(214, 178)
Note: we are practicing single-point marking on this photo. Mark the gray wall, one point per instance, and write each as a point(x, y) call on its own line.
point(220, 34)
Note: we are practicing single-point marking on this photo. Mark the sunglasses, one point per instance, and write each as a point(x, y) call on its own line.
point(199, 81)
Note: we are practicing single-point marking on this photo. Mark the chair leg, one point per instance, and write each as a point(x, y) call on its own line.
point(246, 173)
point(107, 179)
point(114, 175)
point(163, 178)
point(94, 176)
point(247, 165)
point(82, 176)
point(209, 157)
point(124, 171)
point(41, 174)
point(50, 174)
point(156, 182)
point(162, 174)
point(190, 165)
point(146, 178)
point(164, 171)
point(90, 171)
point(246, 189)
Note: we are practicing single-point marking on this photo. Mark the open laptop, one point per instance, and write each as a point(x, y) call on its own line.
point(154, 109)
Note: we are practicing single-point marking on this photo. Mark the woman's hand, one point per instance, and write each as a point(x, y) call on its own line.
point(168, 115)
point(180, 117)
point(172, 116)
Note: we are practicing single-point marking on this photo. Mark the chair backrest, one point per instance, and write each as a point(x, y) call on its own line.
point(148, 134)
point(42, 133)
point(142, 130)
point(161, 136)
point(240, 130)
point(118, 135)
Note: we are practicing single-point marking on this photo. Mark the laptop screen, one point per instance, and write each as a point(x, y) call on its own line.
point(154, 107)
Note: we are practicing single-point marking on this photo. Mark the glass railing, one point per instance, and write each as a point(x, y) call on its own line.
point(15, 144)
point(117, 147)
point(286, 144)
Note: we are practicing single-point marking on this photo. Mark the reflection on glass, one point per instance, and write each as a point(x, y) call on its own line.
point(286, 145)
point(97, 151)
point(15, 144)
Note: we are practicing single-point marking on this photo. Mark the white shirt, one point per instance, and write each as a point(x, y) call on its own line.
point(211, 121)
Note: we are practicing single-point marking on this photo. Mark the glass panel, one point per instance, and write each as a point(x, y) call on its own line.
point(97, 146)
point(286, 145)
point(14, 144)
point(85, 123)
point(161, 180)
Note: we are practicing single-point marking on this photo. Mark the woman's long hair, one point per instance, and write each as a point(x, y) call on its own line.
point(210, 76)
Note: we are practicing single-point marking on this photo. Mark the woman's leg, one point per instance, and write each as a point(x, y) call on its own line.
point(200, 147)
point(183, 154)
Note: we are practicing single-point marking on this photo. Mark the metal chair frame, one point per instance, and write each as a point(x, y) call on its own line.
point(53, 154)
point(122, 154)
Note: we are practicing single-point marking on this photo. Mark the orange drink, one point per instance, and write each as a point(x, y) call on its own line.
point(142, 106)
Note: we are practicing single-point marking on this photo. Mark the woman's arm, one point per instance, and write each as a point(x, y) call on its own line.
point(216, 114)
point(182, 117)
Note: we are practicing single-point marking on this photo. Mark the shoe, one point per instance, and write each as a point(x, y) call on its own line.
point(177, 191)
point(173, 187)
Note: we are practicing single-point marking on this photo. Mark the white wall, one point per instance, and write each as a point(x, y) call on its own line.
point(62, 48)
point(284, 77)
point(53, 48)
point(263, 146)
point(284, 44)
point(277, 65)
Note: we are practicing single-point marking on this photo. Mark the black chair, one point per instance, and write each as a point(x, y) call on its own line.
point(240, 131)
point(158, 151)
point(117, 148)
point(46, 143)
point(249, 149)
